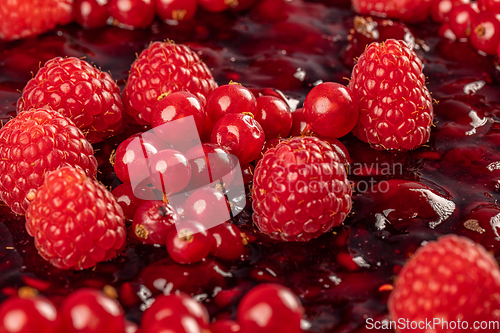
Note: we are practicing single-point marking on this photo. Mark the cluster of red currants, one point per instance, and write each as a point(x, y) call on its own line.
point(479, 22)
point(132, 14)
point(94, 311)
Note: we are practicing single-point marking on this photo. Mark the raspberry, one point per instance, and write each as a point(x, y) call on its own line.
point(164, 67)
point(406, 10)
point(79, 91)
point(451, 279)
point(34, 143)
point(300, 190)
point(23, 18)
point(75, 220)
point(395, 106)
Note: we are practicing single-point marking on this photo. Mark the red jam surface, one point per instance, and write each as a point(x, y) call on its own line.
point(401, 199)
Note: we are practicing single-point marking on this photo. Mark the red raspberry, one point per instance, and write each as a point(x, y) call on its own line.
point(164, 67)
point(79, 91)
point(395, 107)
point(300, 190)
point(451, 279)
point(75, 220)
point(34, 143)
point(23, 18)
point(406, 10)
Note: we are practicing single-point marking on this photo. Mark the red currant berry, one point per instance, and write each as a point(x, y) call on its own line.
point(228, 242)
point(208, 206)
point(153, 220)
point(28, 315)
point(225, 326)
point(229, 98)
point(240, 135)
point(131, 327)
point(132, 14)
point(91, 311)
point(179, 10)
point(170, 171)
point(299, 123)
point(270, 308)
point(485, 32)
point(210, 163)
point(216, 6)
point(91, 13)
point(492, 6)
point(171, 122)
point(130, 162)
point(331, 110)
point(174, 309)
point(440, 9)
point(460, 19)
point(128, 200)
point(273, 114)
point(188, 243)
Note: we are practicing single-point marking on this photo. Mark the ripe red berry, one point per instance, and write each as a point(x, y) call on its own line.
point(448, 277)
point(402, 119)
point(161, 68)
point(485, 32)
point(75, 220)
point(129, 201)
point(91, 311)
point(225, 326)
point(31, 145)
point(208, 206)
point(91, 13)
point(240, 135)
point(178, 311)
point(179, 10)
point(460, 19)
point(299, 123)
point(492, 6)
point(78, 91)
point(132, 14)
point(331, 109)
point(228, 242)
point(440, 9)
point(131, 159)
point(21, 19)
point(189, 242)
point(274, 115)
point(300, 190)
point(27, 315)
point(270, 308)
point(172, 120)
point(406, 10)
point(153, 220)
point(228, 98)
point(170, 171)
point(210, 163)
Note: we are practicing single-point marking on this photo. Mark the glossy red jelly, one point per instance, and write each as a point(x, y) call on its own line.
point(342, 277)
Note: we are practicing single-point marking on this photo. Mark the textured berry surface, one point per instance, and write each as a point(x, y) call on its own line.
point(91, 311)
point(402, 118)
point(300, 190)
point(34, 143)
point(75, 220)
point(405, 10)
point(269, 308)
point(164, 67)
point(446, 279)
point(80, 92)
point(23, 18)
